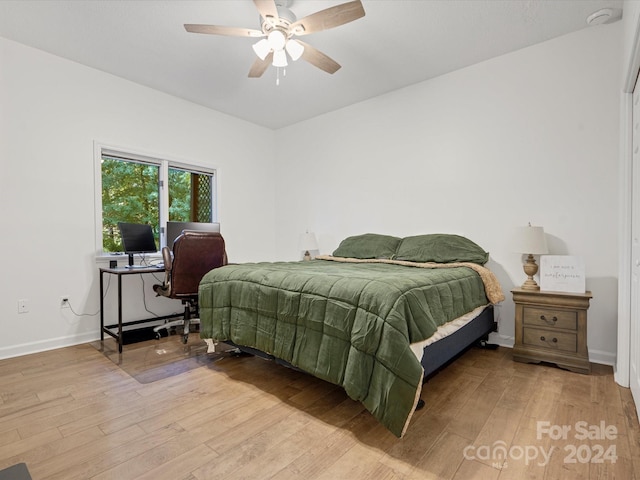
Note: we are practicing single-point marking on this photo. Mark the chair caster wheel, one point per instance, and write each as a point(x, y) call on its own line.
point(185, 339)
point(158, 336)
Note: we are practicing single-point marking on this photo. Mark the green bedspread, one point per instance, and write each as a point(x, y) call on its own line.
point(348, 323)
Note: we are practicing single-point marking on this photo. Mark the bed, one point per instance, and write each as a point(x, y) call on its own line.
point(375, 317)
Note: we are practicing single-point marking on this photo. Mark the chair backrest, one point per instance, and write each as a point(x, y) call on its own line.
point(194, 254)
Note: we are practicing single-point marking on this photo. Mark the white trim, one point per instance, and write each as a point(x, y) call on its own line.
point(502, 340)
point(164, 200)
point(97, 195)
point(625, 161)
point(603, 358)
point(154, 157)
point(49, 344)
point(634, 63)
point(621, 368)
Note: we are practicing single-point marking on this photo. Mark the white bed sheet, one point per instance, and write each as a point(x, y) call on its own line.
point(444, 331)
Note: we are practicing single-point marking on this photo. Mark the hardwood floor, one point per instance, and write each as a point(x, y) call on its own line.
point(75, 413)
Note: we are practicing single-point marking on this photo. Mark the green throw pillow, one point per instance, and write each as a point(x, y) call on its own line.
point(369, 245)
point(440, 248)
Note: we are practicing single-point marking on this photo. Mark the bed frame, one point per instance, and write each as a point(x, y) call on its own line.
point(441, 353)
point(437, 355)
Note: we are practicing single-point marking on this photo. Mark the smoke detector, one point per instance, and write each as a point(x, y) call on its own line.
point(604, 15)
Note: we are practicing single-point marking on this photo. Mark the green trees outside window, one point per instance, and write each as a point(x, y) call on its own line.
point(131, 193)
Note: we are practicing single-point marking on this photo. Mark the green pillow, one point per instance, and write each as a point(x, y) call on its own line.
point(440, 248)
point(369, 245)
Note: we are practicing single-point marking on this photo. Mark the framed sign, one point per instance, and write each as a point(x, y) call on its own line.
point(562, 273)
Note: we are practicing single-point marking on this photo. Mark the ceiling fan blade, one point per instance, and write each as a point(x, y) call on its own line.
point(328, 18)
point(267, 8)
point(221, 30)
point(318, 59)
point(260, 66)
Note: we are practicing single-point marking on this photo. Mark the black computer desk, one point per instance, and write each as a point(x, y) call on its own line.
point(120, 272)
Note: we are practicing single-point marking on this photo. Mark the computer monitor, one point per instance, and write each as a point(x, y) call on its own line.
point(174, 229)
point(136, 238)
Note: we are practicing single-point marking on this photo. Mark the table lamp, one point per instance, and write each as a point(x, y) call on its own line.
point(308, 242)
point(530, 241)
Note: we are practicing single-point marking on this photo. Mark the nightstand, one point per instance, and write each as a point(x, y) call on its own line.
point(552, 327)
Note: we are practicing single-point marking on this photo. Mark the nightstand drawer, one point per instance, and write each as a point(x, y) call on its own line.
point(549, 317)
point(539, 337)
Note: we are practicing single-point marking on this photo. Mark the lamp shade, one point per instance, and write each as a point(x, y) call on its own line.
point(530, 240)
point(308, 242)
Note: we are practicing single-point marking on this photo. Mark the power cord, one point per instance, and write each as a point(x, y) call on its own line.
point(106, 291)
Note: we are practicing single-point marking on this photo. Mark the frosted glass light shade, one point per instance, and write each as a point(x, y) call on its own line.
point(276, 40)
point(262, 48)
point(295, 49)
point(279, 58)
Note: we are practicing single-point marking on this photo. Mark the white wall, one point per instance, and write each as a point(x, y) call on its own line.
point(530, 136)
point(51, 112)
point(527, 137)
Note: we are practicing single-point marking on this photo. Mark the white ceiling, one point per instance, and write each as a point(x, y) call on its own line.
point(397, 43)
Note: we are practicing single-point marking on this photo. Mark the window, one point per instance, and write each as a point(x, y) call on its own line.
point(141, 189)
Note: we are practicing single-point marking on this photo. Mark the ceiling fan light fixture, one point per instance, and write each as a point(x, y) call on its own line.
point(278, 24)
point(262, 48)
point(279, 58)
point(295, 49)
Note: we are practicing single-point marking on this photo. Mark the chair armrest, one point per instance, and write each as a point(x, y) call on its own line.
point(165, 289)
point(166, 258)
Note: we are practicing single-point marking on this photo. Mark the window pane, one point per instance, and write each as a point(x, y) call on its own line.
point(190, 196)
point(129, 194)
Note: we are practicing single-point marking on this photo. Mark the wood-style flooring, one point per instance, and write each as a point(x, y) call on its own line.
point(75, 413)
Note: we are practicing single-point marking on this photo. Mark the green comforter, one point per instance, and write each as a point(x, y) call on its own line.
point(348, 323)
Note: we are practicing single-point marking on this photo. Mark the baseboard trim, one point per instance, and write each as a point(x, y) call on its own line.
point(502, 340)
point(603, 358)
point(595, 356)
point(46, 345)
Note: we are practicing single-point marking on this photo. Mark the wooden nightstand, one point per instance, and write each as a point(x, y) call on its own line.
point(552, 327)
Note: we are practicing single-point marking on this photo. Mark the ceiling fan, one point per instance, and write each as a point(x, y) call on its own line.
point(279, 26)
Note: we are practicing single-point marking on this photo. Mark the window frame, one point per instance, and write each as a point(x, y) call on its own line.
point(164, 162)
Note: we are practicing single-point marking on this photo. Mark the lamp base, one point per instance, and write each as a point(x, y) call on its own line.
point(530, 268)
point(530, 285)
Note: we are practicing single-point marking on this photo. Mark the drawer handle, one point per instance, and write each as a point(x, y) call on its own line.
point(543, 339)
point(553, 320)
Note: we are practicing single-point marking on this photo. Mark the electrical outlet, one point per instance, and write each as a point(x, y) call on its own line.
point(23, 305)
point(64, 302)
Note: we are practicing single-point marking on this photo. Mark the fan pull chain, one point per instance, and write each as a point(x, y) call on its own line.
point(284, 74)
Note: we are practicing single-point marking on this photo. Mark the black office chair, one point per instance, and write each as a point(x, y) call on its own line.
point(194, 254)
